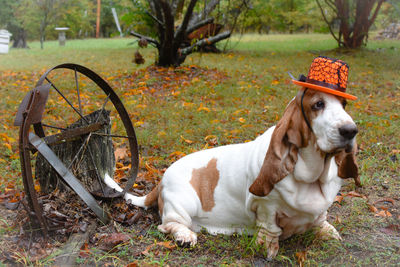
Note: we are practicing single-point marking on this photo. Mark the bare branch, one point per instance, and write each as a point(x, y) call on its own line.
point(199, 25)
point(149, 39)
point(371, 21)
point(327, 22)
point(331, 4)
point(211, 40)
point(182, 28)
point(160, 23)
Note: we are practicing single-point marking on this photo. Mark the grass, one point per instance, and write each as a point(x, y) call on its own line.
point(238, 96)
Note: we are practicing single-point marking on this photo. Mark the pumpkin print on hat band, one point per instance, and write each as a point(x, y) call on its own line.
point(328, 75)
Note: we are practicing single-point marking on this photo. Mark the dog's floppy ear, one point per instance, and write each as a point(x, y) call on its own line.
point(347, 165)
point(290, 134)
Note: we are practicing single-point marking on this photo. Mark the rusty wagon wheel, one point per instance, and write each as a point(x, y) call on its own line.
point(64, 95)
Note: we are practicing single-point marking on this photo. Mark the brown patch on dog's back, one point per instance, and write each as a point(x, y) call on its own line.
point(204, 180)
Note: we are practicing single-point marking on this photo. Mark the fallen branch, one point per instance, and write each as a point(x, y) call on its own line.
point(148, 39)
point(206, 41)
point(199, 25)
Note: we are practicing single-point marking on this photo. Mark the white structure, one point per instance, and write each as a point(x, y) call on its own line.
point(4, 41)
point(61, 35)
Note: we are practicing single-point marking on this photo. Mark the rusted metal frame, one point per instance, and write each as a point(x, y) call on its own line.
point(68, 177)
point(72, 133)
point(131, 136)
point(28, 118)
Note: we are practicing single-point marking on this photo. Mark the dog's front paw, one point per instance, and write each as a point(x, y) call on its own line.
point(185, 238)
point(328, 231)
point(269, 241)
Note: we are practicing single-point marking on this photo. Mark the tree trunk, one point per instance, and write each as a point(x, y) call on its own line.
point(354, 24)
point(20, 39)
point(89, 164)
point(172, 42)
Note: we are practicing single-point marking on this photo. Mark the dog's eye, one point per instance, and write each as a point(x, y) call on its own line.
point(344, 103)
point(319, 105)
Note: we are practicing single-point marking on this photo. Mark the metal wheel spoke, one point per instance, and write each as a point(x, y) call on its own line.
point(53, 127)
point(69, 103)
point(102, 107)
point(77, 90)
point(114, 135)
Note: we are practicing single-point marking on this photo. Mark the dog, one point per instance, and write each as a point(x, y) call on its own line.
point(280, 184)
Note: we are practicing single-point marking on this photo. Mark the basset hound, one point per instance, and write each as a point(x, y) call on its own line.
point(280, 184)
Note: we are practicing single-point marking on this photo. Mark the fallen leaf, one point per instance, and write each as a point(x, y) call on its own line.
point(120, 153)
point(383, 213)
point(203, 108)
point(84, 252)
point(176, 155)
point(386, 199)
point(372, 208)
point(301, 257)
point(338, 199)
point(186, 140)
point(146, 251)
point(355, 194)
point(108, 242)
point(167, 244)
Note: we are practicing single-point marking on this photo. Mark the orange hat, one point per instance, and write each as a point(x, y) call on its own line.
point(327, 75)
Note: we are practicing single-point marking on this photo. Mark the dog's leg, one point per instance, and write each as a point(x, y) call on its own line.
point(269, 232)
point(324, 229)
point(270, 242)
point(328, 231)
point(177, 219)
point(182, 234)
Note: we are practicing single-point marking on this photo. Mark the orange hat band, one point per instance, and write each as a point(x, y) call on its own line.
point(324, 84)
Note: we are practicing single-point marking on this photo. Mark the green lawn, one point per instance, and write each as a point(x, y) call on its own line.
point(231, 97)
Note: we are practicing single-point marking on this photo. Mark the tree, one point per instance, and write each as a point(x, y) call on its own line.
point(11, 20)
point(171, 39)
point(355, 19)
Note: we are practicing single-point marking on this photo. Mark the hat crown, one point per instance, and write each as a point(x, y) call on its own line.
point(332, 73)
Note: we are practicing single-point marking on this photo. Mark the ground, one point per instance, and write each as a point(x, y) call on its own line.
point(211, 100)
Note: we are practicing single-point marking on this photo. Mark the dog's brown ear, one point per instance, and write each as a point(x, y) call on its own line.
point(347, 165)
point(290, 134)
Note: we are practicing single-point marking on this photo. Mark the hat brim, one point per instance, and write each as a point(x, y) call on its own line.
point(325, 90)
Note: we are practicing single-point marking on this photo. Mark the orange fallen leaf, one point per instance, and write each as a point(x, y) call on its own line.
point(338, 199)
point(120, 153)
point(186, 140)
point(372, 208)
point(167, 244)
point(355, 194)
point(203, 108)
point(176, 155)
point(386, 199)
point(147, 249)
point(383, 213)
point(301, 257)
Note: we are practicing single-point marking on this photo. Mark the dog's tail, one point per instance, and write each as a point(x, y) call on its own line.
point(144, 201)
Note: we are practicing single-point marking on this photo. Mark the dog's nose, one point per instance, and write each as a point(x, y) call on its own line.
point(348, 131)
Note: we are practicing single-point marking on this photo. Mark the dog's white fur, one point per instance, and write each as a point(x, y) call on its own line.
point(296, 203)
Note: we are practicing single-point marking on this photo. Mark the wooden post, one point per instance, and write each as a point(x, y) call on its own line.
point(98, 19)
